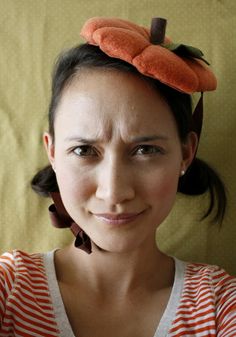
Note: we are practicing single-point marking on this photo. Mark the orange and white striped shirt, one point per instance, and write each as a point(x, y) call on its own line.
point(202, 301)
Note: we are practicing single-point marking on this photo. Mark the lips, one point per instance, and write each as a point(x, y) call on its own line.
point(117, 219)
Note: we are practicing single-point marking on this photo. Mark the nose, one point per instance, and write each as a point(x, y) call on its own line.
point(115, 182)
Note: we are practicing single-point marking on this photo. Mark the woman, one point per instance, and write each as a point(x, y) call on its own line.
point(120, 145)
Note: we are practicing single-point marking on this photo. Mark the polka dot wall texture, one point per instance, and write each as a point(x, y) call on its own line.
point(32, 33)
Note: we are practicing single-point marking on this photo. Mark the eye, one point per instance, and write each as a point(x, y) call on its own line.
point(148, 150)
point(84, 151)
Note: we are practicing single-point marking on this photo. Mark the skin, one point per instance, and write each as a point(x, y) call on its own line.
point(118, 158)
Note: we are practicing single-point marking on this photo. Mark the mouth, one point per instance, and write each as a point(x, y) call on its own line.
point(117, 219)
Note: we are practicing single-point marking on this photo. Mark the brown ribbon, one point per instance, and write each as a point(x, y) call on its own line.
point(198, 117)
point(61, 219)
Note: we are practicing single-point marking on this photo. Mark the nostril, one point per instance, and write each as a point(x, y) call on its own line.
point(115, 193)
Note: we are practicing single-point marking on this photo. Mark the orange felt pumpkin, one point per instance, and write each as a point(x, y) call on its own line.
point(127, 41)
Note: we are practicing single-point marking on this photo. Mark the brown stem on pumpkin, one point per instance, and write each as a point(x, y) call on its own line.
point(158, 29)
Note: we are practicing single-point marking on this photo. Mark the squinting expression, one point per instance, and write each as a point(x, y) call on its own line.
point(117, 157)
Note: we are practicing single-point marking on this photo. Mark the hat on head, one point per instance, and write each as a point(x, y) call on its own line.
point(153, 54)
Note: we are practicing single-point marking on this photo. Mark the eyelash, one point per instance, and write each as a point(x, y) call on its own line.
point(152, 150)
point(91, 151)
point(85, 147)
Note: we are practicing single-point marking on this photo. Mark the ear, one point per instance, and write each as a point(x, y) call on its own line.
point(189, 148)
point(49, 146)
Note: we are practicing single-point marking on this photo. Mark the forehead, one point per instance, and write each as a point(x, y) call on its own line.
point(120, 84)
point(105, 99)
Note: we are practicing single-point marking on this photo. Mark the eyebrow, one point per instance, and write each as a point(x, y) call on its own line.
point(140, 139)
point(149, 138)
point(81, 140)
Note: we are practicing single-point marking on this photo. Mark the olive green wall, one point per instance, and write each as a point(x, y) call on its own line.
point(32, 33)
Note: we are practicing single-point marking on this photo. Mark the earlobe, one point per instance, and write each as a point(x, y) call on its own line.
point(49, 146)
point(189, 149)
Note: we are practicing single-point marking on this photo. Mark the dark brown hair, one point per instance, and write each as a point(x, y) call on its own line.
point(198, 179)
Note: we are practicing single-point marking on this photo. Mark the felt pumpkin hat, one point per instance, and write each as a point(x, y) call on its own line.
point(153, 54)
point(179, 66)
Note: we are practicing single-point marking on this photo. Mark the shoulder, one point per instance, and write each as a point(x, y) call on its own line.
point(19, 261)
point(17, 267)
point(24, 289)
point(205, 284)
point(214, 277)
point(208, 300)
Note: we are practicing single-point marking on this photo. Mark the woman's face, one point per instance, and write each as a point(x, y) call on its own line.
point(117, 157)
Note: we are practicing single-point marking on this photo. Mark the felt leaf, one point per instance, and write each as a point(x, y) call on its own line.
point(185, 50)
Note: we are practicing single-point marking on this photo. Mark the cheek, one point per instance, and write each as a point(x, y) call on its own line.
point(162, 198)
point(161, 188)
point(74, 186)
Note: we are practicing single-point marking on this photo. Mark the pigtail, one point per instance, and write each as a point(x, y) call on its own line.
point(45, 182)
point(200, 178)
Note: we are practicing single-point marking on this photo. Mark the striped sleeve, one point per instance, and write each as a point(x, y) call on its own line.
point(208, 304)
point(25, 304)
point(7, 278)
point(225, 289)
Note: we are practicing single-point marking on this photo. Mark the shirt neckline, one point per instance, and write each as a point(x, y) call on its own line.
point(174, 300)
point(60, 312)
point(58, 305)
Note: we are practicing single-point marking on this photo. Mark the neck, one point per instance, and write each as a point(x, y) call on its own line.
point(144, 268)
